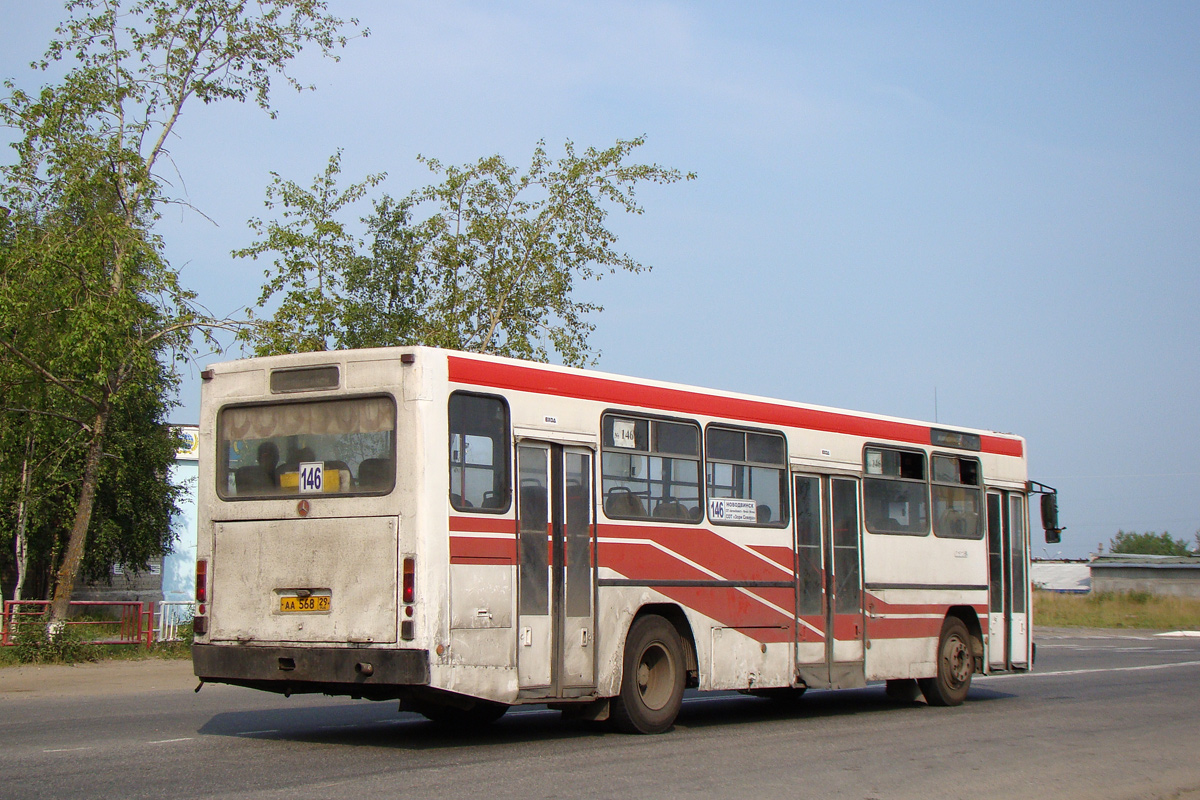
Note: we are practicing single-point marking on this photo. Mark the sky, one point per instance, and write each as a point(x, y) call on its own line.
point(981, 214)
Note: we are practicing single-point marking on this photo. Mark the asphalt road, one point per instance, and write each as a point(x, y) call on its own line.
point(1104, 716)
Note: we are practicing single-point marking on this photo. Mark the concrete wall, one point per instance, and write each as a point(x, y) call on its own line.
point(1183, 581)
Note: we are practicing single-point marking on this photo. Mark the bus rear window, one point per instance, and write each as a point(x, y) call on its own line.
point(344, 446)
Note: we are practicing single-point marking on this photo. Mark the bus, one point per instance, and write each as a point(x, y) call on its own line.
point(465, 533)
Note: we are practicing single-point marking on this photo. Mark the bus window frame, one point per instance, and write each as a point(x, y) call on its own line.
point(507, 452)
point(652, 453)
point(867, 478)
point(783, 467)
point(980, 527)
point(222, 465)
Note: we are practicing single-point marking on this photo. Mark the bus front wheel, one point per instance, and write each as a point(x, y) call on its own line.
point(653, 678)
point(954, 666)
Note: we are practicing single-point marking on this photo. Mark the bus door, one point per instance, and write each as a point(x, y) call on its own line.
point(556, 580)
point(1008, 594)
point(829, 582)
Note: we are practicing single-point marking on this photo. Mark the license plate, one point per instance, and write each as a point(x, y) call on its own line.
point(291, 605)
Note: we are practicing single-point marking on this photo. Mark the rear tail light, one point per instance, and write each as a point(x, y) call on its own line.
point(408, 593)
point(201, 585)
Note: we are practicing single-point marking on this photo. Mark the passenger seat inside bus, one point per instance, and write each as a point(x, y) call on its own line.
point(621, 502)
point(375, 473)
point(252, 480)
point(494, 500)
point(669, 508)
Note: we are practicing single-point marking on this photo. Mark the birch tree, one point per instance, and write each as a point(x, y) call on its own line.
point(489, 258)
point(90, 310)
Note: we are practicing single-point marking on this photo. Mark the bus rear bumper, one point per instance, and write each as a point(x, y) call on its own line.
point(358, 672)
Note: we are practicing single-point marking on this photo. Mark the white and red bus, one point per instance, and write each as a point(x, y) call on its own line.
point(466, 533)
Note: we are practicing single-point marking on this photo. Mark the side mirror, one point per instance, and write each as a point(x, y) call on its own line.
point(1050, 519)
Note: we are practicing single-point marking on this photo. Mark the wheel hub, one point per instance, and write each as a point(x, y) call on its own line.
point(655, 674)
point(959, 661)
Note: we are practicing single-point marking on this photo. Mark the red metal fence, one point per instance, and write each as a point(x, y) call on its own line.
point(117, 622)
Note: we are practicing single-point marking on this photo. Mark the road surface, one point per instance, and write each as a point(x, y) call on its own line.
point(1106, 715)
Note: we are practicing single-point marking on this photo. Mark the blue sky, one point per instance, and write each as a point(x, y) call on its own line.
point(999, 204)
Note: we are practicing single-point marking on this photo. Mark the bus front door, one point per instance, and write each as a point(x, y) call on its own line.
point(556, 580)
point(829, 649)
point(1008, 590)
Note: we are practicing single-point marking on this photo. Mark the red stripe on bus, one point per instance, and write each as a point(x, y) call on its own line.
point(904, 628)
point(607, 390)
point(783, 556)
point(731, 608)
point(807, 634)
point(641, 561)
point(703, 547)
point(874, 604)
point(478, 550)
point(483, 524)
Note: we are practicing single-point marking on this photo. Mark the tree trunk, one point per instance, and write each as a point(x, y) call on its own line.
point(21, 545)
point(64, 584)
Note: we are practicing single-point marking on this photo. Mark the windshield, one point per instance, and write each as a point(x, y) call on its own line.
point(344, 446)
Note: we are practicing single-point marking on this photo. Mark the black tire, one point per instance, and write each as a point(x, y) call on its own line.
point(955, 665)
point(483, 712)
point(653, 677)
point(903, 690)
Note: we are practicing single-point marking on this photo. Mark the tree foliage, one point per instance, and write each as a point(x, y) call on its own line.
point(1150, 543)
point(92, 317)
point(488, 258)
point(316, 252)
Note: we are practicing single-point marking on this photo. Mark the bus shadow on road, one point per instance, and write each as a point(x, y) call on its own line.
point(725, 709)
point(380, 725)
point(357, 725)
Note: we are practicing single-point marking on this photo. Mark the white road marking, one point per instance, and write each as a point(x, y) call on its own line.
point(1059, 673)
point(170, 741)
point(67, 750)
point(255, 733)
point(1079, 648)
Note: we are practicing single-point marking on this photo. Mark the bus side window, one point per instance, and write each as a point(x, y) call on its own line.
point(896, 492)
point(650, 468)
point(957, 498)
point(479, 453)
point(750, 469)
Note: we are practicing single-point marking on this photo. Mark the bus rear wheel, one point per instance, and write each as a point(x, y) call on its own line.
point(955, 665)
point(653, 677)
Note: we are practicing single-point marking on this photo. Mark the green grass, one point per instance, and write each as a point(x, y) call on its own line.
point(1116, 610)
point(114, 652)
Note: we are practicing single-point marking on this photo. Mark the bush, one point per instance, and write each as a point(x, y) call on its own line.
point(1149, 543)
point(35, 643)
